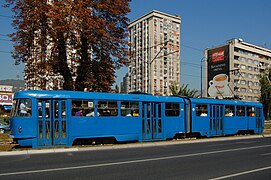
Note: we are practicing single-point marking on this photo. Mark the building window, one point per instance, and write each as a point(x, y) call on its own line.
point(256, 69)
point(256, 91)
point(243, 59)
point(236, 65)
point(236, 81)
point(236, 57)
point(243, 82)
point(249, 60)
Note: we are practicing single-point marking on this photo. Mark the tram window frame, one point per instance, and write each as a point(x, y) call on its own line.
point(172, 109)
point(107, 108)
point(240, 111)
point(87, 106)
point(202, 110)
point(229, 110)
point(17, 111)
point(250, 111)
point(129, 108)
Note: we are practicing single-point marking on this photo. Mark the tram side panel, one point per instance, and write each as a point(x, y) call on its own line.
point(24, 124)
point(23, 131)
point(120, 128)
point(174, 121)
point(200, 119)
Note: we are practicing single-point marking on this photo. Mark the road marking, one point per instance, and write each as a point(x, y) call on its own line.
point(241, 173)
point(132, 161)
point(266, 154)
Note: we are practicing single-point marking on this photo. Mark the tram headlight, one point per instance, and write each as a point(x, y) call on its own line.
point(19, 129)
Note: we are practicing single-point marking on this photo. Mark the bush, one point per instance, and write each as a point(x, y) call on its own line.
point(4, 119)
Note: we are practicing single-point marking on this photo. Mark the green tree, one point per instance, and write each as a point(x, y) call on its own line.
point(117, 89)
point(122, 89)
point(265, 97)
point(183, 90)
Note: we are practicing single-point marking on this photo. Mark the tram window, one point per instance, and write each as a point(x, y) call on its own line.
point(82, 107)
point(129, 108)
point(108, 108)
point(56, 109)
point(63, 110)
point(201, 110)
point(47, 111)
point(22, 108)
point(229, 111)
point(240, 110)
point(172, 109)
point(250, 111)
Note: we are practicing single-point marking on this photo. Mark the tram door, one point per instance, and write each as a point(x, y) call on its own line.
point(259, 124)
point(152, 124)
point(216, 119)
point(52, 124)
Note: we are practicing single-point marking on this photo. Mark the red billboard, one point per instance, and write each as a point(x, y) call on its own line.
point(6, 98)
point(218, 56)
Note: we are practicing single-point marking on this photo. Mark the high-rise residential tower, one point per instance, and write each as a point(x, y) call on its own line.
point(154, 62)
point(233, 69)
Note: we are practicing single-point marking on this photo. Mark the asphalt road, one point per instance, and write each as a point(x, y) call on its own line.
point(245, 158)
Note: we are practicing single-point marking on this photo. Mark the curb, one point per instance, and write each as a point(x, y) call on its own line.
point(125, 146)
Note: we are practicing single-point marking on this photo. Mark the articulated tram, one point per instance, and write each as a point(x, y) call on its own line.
point(64, 118)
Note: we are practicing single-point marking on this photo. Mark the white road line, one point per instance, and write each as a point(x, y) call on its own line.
point(266, 154)
point(242, 173)
point(133, 161)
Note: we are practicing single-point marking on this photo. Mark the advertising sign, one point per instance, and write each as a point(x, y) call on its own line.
point(218, 72)
point(6, 88)
point(6, 98)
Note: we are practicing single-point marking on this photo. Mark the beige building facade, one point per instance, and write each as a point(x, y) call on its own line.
point(154, 62)
point(233, 70)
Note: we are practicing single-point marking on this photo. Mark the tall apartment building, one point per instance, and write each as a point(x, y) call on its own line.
point(154, 53)
point(233, 69)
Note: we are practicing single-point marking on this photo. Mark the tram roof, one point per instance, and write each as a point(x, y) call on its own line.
point(224, 101)
point(63, 94)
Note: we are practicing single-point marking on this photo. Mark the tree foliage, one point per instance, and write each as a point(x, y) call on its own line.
point(92, 34)
point(117, 89)
point(265, 97)
point(183, 90)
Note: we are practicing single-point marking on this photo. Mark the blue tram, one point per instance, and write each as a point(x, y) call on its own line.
point(63, 118)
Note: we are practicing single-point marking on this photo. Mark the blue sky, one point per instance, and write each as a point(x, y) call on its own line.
point(204, 24)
